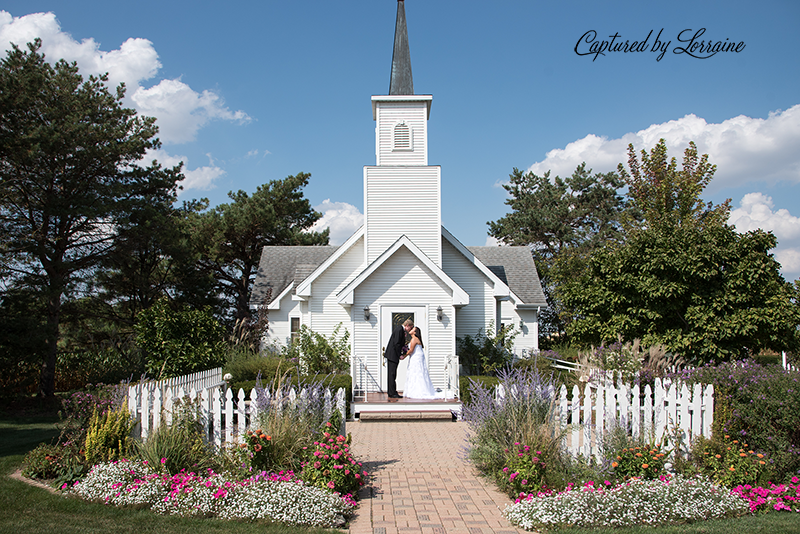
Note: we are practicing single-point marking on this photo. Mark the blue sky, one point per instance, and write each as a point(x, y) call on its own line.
point(256, 91)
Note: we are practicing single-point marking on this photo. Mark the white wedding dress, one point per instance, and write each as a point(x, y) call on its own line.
point(418, 381)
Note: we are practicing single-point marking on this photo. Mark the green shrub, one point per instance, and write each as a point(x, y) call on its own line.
point(58, 463)
point(249, 369)
point(487, 352)
point(331, 466)
point(523, 472)
point(730, 462)
point(179, 342)
point(467, 385)
point(108, 434)
point(641, 462)
point(759, 405)
point(77, 410)
point(317, 354)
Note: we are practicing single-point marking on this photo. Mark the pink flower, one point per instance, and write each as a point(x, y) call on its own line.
point(163, 461)
point(331, 485)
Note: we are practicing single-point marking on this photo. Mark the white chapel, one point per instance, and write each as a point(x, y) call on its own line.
point(401, 264)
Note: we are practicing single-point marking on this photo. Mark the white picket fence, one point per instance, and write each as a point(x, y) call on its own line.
point(223, 415)
point(201, 380)
point(666, 410)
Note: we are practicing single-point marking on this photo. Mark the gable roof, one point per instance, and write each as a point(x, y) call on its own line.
point(283, 267)
point(460, 297)
point(515, 266)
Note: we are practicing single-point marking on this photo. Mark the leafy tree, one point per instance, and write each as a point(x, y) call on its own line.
point(683, 277)
point(229, 239)
point(152, 258)
point(179, 341)
point(554, 217)
point(69, 156)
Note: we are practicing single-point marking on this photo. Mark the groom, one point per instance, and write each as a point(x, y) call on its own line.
point(394, 353)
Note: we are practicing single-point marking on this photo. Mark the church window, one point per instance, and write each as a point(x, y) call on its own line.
point(295, 329)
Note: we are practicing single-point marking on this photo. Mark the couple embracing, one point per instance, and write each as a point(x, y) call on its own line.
point(418, 381)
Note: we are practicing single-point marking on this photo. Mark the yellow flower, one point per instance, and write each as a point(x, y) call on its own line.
point(760, 455)
point(645, 466)
point(614, 464)
point(731, 468)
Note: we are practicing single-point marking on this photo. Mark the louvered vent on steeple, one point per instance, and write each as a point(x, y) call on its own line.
point(402, 136)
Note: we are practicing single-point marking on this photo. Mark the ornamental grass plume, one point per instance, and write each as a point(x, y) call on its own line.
point(524, 415)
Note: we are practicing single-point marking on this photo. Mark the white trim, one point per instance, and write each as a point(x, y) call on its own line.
point(428, 99)
point(501, 290)
point(276, 302)
point(346, 295)
point(304, 289)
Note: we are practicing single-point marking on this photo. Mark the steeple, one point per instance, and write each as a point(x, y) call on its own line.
point(401, 82)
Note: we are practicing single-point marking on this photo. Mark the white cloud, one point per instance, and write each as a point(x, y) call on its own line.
point(745, 149)
point(491, 242)
point(180, 111)
point(756, 211)
point(342, 218)
point(200, 178)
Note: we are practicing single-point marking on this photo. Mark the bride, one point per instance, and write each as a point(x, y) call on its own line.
point(418, 381)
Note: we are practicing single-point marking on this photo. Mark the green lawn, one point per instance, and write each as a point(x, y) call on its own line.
point(772, 523)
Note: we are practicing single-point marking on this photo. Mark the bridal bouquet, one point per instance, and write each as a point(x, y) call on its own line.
point(405, 349)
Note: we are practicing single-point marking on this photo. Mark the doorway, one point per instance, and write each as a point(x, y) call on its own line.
point(390, 317)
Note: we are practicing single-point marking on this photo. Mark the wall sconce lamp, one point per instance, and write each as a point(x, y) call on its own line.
point(521, 324)
point(366, 313)
point(439, 313)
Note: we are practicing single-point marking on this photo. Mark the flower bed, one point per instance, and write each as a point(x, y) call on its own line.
point(636, 502)
point(280, 497)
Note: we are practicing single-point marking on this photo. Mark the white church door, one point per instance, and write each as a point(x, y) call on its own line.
point(390, 317)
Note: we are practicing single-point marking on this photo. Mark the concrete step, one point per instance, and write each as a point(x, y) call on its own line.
point(431, 415)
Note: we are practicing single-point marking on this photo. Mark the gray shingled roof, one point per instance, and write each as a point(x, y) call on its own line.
point(280, 266)
point(515, 267)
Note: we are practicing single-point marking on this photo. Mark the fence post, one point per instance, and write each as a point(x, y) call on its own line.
point(636, 413)
point(216, 410)
point(587, 421)
point(229, 416)
point(599, 418)
point(575, 419)
point(241, 415)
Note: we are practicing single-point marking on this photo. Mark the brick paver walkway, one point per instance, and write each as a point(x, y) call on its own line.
point(421, 482)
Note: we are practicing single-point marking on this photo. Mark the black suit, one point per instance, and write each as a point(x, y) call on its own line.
point(394, 349)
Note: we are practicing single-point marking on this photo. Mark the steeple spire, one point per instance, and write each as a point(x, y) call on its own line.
point(401, 82)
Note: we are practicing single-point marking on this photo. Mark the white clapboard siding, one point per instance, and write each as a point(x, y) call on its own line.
point(653, 413)
point(326, 312)
point(224, 416)
point(415, 116)
point(481, 308)
point(403, 201)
